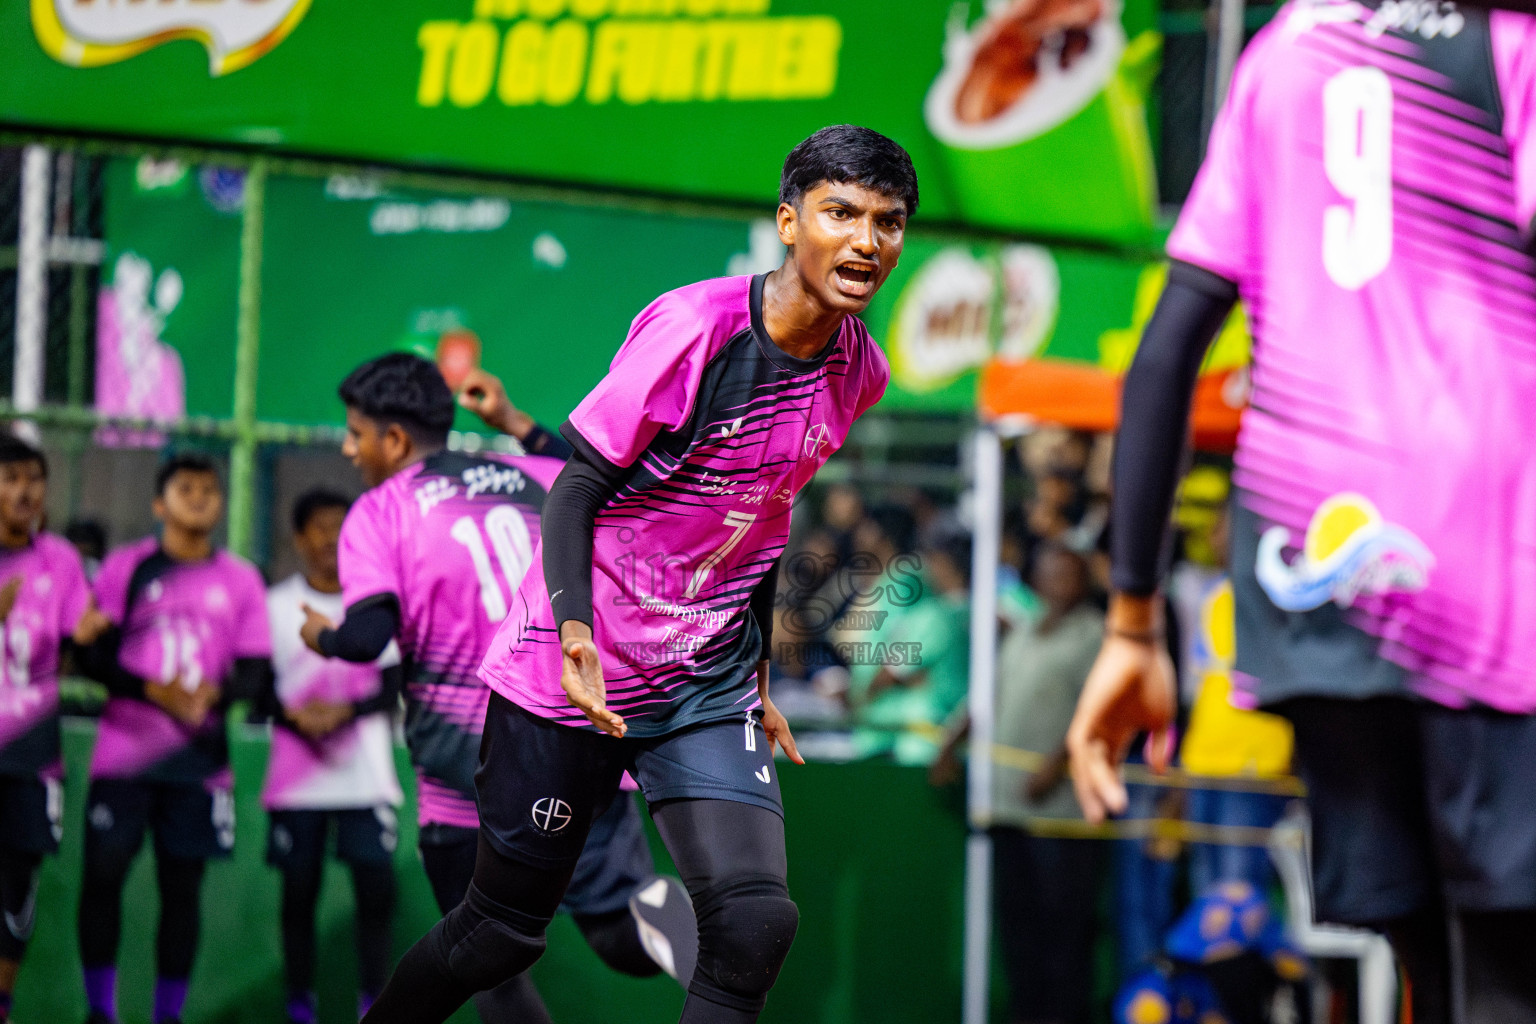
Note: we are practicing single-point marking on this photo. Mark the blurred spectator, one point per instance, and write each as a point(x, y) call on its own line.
point(1016, 603)
point(1047, 874)
point(905, 685)
point(809, 681)
point(90, 539)
point(842, 510)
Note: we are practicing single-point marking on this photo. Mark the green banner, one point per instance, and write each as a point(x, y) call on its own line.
point(543, 291)
point(1031, 119)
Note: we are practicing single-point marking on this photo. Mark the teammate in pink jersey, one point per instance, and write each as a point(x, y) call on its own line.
point(639, 637)
point(332, 765)
point(431, 554)
point(188, 634)
point(1368, 192)
point(45, 603)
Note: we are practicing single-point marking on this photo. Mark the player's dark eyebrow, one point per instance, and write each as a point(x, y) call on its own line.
point(852, 206)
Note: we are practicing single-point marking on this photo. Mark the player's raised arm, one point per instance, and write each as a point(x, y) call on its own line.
point(484, 394)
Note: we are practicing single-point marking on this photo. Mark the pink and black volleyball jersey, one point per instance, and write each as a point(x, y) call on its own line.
point(450, 539)
point(719, 429)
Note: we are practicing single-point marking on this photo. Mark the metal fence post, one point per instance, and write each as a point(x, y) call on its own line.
point(986, 549)
point(242, 456)
point(31, 283)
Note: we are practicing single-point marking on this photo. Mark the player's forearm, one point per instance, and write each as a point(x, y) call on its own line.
point(762, 602)
point(365, 632)
point(1154, 420)
point(536, 440)
point(566, 523)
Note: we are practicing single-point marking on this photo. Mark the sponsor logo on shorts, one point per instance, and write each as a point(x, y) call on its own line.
point(101, 818)
point(763, 776)
point(551, 814)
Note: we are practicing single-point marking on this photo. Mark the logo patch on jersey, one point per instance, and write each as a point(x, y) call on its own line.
point(43, 585)
point(155, 591)
point(433, 493)
point(1348, 551)
point(816, 439)
point(488, 478)
point(551, 814)
point(216, 599)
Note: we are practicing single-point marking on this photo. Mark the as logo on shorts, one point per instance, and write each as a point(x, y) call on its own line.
point(551, 814)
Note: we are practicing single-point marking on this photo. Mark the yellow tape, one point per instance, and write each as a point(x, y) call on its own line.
point(1174, 778)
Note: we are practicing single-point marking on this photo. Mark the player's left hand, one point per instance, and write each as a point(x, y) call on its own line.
point(484, 395)
point(315, 623)
point(581, 677)
point(775, 725)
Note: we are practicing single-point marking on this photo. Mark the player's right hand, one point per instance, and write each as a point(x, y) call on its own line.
point(483, 394)
point(9, 591)
point(1129, 690)
point(581, 676)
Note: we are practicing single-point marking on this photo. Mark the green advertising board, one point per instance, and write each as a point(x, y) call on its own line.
point(1031, 119)
point(548, 288)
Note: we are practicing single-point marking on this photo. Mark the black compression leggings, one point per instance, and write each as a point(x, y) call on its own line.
point(373, 888)
point(101, 910)
point(18, 884)
point(450, 867)
point(730, 856)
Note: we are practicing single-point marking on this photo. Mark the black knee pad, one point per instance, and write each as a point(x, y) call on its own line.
point(746, 927)
point(485, 943)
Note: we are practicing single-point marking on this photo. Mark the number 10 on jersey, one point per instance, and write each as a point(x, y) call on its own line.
point(509, 538)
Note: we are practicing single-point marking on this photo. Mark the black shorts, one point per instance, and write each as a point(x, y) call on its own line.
point(1416, 806)
point(614, 862)
point(365, 836)
point(31, 814)
point(542, 786)
point(189, 821)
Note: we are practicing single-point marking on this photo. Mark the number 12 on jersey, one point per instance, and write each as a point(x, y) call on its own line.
point(1357, 157)
point(509, 538)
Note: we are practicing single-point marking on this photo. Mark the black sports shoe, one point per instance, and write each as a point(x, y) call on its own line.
point(664, 914)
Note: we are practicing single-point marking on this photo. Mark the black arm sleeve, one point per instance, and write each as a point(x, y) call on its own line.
point(249, 680)
point(98, 661)
point(762, 605)
point(584, 486)
point(1154, 419)
point(390, 685)
point(365, 632)
point(543, 442)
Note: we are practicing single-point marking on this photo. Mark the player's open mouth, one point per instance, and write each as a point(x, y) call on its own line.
point(856, 279)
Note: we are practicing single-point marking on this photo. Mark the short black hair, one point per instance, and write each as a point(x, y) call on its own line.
point(13, 449)
point(184, 462)
point(849, 153)
point(402, 388)
point(314, 500)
